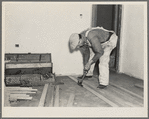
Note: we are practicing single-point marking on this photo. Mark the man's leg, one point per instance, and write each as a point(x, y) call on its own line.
point(104, 68)
point(96, 70)
point(104, 62)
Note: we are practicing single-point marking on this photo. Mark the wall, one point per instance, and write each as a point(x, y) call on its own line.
point(45, 28)
point(132, 41)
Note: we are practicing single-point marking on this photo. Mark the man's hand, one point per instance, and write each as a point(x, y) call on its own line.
point(88, 65)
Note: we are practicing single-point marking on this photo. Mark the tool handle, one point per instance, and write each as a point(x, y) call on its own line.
point(84, 74)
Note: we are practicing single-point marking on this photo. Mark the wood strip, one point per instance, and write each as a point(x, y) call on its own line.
point(20, 92)
point(129, 99)
point(139, 86)
point(23, 95)
point(28, 65)
point(96, 93)
point(112, 97)
point(117, 96)
point(20, 89)
point(70, 101)
point(23, 98)
point(25, 61)
point(56, 100)
point(131, 93)
point(43, 96)
point(49, 96)
point(51, 104)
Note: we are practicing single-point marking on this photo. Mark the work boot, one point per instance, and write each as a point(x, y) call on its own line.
point(101, 86)
point(85, 78)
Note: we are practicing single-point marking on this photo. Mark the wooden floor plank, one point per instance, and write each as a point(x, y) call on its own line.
point(116, 95)
point(51, 103)
point(70, 101)
point(43, 96)
point(139, 86)
point(96, 93)
point(49, 97)
point(111, 96)
point(130, 99)
point(56, 99)
point(131, 93)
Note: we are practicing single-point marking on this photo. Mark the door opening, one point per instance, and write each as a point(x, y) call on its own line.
point(109, 17)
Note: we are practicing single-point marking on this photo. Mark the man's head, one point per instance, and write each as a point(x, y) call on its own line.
point(76, 41)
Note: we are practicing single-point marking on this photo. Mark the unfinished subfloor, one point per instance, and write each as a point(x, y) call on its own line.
point(121, 92)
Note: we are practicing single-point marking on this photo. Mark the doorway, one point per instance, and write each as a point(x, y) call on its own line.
point(109, 17)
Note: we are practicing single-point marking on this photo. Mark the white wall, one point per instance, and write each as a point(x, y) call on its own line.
point(133, 40)
point(45, 27)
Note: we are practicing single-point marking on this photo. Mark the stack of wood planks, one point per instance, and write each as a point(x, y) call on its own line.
point(18, 93)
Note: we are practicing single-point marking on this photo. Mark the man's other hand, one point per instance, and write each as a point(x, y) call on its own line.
point(87, 66)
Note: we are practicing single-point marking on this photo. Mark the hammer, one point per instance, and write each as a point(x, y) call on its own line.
point(84, 74)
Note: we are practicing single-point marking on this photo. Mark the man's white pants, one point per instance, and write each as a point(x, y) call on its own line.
point(105, 58)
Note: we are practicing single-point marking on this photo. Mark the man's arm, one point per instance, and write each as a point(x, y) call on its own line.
point(97, 49)
point(85, 59)
point(85, 54)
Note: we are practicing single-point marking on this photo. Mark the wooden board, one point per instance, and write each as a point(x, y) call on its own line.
point(19, 95)
point(19, 89)
point(70, 101)
point(56, 99)
point(43, 96)
point(97, 94)
point(21, 92)
point(126, 98)
point(110, 95)
point(49, 97)
point(51, 103)
point(115, 95)
point(28, 65)
point(131, 93)
point(139, 86)
point(28, 57)
point(23, 98)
